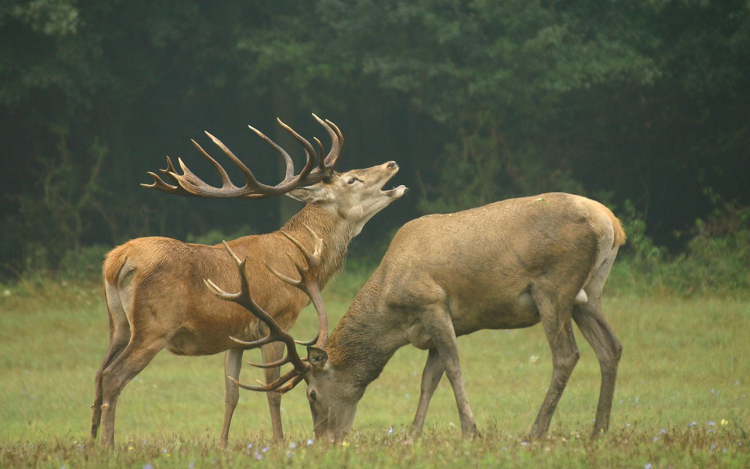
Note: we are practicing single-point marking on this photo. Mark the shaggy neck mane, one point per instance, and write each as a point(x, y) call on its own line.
point(328, 226)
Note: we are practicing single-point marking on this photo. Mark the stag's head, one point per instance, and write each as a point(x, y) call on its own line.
point(356, 195)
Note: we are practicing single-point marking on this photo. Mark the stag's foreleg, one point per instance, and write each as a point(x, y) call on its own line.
point(438, 324)
point(558, 328)
point(273, 352)
point(433, 372)
point(232, 367)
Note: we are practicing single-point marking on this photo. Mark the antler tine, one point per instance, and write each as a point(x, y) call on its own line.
point(314, 258)
point(337, 142)
point(291, 379)
point(321, 160)
point(341, 141)
point(162, 186)
point(309, 151)
point(279, 150)
point(249, 176)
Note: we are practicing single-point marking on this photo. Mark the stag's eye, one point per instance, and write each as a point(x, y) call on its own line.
point(353, 180)
point(312, 396)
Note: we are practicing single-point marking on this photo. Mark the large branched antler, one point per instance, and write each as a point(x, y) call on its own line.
point(189, 184)
point(308, 283)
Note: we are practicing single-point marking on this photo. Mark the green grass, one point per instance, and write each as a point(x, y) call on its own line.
point(681, 396)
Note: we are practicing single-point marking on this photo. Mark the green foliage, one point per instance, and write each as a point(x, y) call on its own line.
point(55, 224)
point(714, 262)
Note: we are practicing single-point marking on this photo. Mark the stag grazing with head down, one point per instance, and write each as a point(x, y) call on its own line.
point(507, 265)
point(154, 286)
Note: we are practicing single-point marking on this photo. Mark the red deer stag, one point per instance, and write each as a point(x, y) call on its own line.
point(154, 290)
point(507, 265)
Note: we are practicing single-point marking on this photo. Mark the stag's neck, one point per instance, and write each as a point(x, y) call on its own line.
point(333, 229)
point(365, 339)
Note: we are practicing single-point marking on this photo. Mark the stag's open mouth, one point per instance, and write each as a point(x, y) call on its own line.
point(396, 192)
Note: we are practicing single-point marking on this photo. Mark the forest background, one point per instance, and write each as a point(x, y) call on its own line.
point(643, 105)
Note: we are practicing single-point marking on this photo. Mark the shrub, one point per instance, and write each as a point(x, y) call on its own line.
point(715, 261)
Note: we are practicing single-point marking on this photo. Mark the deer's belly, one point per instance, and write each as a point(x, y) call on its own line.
point(494, 313)
point(208, 341)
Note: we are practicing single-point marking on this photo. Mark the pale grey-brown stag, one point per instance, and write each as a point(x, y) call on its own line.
point(507, 265)
point(154, 286)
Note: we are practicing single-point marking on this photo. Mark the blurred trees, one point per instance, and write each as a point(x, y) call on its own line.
point(477, 100)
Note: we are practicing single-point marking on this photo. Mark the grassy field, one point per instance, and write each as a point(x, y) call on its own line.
point(681, 399)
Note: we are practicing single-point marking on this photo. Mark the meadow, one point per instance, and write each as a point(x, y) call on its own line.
point(681, 398)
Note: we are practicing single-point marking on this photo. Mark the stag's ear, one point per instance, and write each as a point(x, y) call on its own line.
point(310, 195)
point(317, 358)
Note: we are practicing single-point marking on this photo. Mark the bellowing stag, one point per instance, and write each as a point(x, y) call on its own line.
point(154, 286)
point(507, 265)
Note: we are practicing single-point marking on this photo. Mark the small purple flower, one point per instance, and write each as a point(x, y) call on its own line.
point(647, 466)
point(692, 424)
point(390, 430)
point(148, 466)
point(310, 442)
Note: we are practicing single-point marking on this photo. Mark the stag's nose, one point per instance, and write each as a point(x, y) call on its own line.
point(392, 165)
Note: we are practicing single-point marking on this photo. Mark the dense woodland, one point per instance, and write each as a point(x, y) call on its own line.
point(642, 104)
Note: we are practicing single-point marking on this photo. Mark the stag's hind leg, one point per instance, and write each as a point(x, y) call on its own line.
point(559, 331)
point(139, 353)
point(608, 348)
point(433, 372)
point(119, 336)
point(590, 320)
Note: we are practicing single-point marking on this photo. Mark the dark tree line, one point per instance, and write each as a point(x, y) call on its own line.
point(645, 100)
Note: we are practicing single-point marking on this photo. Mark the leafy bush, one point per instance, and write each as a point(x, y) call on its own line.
point(715, 261)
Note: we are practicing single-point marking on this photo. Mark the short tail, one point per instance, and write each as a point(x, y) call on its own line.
point(113, 263)
point(620, 236)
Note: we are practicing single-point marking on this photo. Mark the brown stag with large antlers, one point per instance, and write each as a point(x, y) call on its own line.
point(154, 286)
point(507, 265)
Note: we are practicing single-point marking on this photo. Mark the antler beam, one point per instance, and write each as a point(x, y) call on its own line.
point(316, 169)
